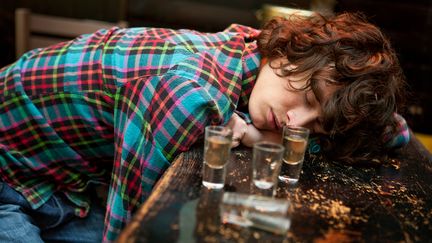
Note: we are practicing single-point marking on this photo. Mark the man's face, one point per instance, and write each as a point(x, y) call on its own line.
point(274, 103)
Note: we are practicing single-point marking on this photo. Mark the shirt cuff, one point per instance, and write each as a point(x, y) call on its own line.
point(244, 116)
point(400, 137)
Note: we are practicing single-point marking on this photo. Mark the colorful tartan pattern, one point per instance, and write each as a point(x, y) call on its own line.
point(116, 107)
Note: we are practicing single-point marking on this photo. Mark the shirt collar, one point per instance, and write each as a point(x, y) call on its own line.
point(251, 63)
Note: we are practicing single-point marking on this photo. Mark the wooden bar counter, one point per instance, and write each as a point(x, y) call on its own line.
point(330, 203)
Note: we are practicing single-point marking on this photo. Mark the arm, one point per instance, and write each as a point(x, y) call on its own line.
point(254, 135)
point(248, 134)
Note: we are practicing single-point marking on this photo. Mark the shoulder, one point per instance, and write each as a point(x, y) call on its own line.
point(245, 31)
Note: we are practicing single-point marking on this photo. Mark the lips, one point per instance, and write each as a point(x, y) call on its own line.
point(278, 124)
point(272, 121)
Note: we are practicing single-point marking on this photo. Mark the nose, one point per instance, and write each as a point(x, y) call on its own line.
point(302, 117)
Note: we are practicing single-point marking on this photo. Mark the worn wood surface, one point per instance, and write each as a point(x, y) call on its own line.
point(330, 203)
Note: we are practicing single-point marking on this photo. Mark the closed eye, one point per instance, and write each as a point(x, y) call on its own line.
point(309, 98)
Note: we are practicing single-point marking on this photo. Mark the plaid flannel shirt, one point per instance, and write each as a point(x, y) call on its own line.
point(116, 107)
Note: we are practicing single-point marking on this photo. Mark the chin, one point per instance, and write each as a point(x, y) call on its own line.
point(259, 124)
point(258, 120)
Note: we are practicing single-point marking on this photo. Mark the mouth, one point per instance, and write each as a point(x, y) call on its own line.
point(273, 121)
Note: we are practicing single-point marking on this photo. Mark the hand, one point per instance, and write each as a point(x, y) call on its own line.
point(239, 128)
point(254, 135)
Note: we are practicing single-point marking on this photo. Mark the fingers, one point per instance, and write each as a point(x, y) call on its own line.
point(239, 128)
point(237, 137)
point(235, 142)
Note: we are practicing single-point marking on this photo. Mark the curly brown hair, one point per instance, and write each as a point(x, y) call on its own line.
point(349, 51)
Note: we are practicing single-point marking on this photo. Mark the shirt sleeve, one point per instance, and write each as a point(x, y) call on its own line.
point(155, 119)
point(161, 114)
point(245, 116)
point(398, 137)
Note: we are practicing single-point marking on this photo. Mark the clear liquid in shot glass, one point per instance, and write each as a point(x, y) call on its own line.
point(292, 161)
point(217, 153)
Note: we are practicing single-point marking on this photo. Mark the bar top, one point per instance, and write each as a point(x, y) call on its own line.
point(330, 203)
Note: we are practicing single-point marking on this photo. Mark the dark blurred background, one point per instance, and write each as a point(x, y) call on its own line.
point(408, 23)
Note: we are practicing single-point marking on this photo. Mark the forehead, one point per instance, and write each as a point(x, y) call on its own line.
point(323, 85)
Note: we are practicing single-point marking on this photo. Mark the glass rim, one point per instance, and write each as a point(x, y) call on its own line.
point(296, 128)
point(218, 129)
point(268, 146)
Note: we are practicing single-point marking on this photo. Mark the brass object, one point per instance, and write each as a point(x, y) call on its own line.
point(269, 11)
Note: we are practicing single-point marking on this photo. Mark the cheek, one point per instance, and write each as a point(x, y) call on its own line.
point(289, 100)
point(255, 113)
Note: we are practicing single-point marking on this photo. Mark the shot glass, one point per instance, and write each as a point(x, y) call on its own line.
point(266, 213)
point(217, 148)
point(295, 140)
point(266, 163)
